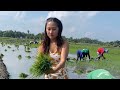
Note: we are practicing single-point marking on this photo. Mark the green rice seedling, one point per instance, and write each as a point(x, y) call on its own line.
point(27, 49)
point(9, 47)
point(23, 75)
point(28, 57)
point(17, 46)
point(82, 67)
point(2, 44)
point(34, 45)
point(41, 65)
point(13, 50)
point(1, 56)
point(19, 57)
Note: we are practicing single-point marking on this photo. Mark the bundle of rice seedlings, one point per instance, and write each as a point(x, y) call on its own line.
point(41, 65)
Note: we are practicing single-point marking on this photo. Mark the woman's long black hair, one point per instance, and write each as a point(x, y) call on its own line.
point(46, 40)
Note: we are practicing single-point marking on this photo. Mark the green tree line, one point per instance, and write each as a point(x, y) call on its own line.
point(39, 36)
point(18, 34)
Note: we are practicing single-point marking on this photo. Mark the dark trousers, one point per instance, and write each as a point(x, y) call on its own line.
point(86, 54)
point(79, 57)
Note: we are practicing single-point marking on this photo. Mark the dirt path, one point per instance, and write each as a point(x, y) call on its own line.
point(3, 71)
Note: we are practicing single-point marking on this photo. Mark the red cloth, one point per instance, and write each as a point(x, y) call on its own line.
point(100, 50)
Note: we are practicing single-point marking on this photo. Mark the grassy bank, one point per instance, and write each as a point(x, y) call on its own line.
point(113, 54)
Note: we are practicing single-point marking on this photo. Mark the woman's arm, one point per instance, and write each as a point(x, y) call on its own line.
point(40, 49)
point(64, 55)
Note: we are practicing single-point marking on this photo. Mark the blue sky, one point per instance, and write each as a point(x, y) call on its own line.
point(101, 25)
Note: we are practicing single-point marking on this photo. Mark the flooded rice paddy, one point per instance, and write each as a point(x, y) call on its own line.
point(16, 65)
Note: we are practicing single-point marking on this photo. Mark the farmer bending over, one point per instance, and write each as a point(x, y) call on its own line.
point(86, 53)
point(100, 52)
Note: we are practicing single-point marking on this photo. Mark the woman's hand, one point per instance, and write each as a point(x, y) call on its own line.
point(51, 70)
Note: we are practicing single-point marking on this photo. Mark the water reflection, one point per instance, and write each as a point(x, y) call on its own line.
point(15, 66)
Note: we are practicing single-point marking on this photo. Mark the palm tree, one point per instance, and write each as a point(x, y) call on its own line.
point(28, 33)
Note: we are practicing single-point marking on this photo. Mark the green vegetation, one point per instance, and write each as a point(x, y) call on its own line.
point(13, 50)
point(23, 75)
point(19, 57)
point(15, 41)
point(27, 49)
point(5, 50)
point(9, 47)
point(113, 53)
point(34, 45)
point(41, 65)
point(22, 35)
point(9, 34)
point(1, 56)
point(111, 63)
point(28, 57)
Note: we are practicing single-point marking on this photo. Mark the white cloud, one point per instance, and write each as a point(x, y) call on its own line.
point(93, 13)
point(20, 15)
point(89, 34)
point(19, 21)
point(7, 15)
point(59, 14)
point(74, 21)
point(12, 15)
point(77, 16)
point(37, 25)
point(76, 24)
point(88, 14)
point(72, 30)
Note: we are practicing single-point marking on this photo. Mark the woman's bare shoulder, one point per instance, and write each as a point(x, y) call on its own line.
point(65, 44)
point(40, 48)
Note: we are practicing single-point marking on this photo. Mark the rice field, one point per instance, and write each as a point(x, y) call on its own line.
point(111, 63)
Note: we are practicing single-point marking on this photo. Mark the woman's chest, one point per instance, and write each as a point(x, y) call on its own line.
point(55, 56)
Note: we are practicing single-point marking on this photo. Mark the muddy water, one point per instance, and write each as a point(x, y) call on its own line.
point(16, 66)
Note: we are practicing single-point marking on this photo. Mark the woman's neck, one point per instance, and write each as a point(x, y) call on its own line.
point(54, 41)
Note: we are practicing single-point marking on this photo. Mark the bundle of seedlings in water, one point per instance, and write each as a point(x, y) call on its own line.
point(19, 57)
point(41, 65)
point(1, 56)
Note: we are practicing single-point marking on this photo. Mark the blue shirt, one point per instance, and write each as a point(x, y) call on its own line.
point(79, 53)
